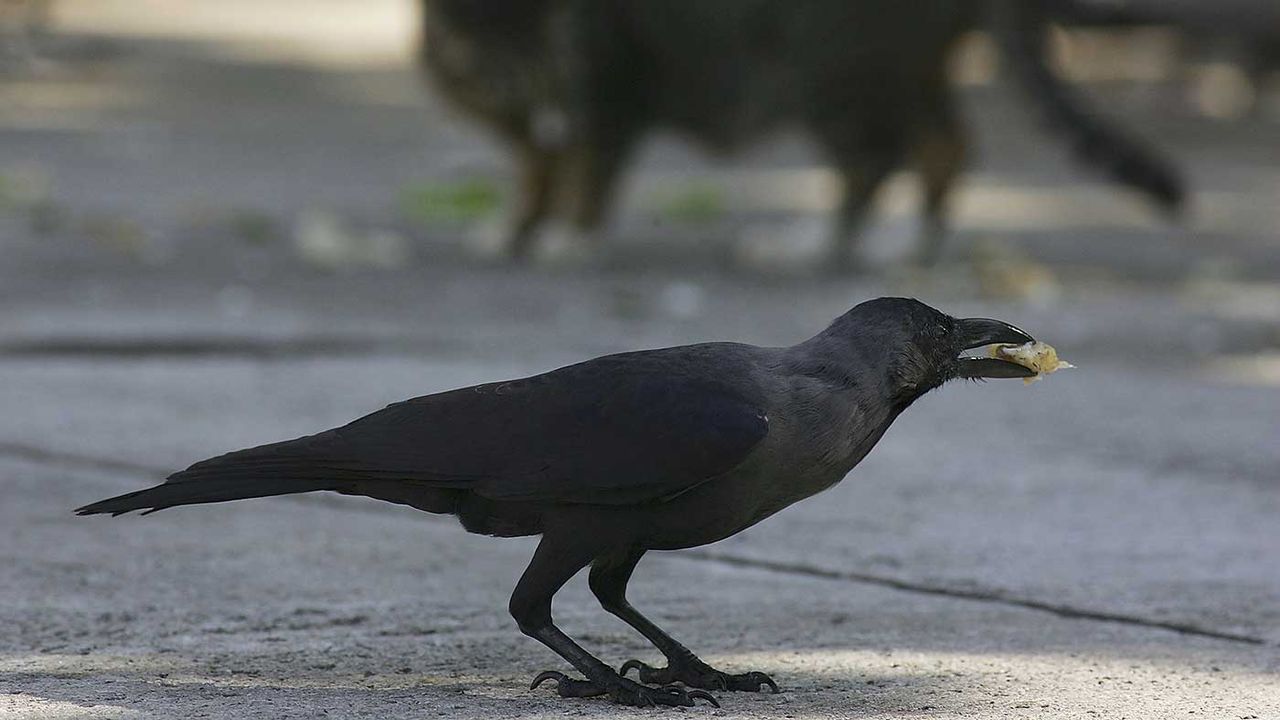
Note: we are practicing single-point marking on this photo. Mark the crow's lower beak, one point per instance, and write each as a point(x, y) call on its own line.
point(977, 332)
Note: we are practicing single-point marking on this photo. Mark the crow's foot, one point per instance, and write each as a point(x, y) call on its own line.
point(698, 674)
point(567, 686)
point(623, 691)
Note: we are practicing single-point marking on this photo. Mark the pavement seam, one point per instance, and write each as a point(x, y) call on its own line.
point(987, 596)
point(37, 454)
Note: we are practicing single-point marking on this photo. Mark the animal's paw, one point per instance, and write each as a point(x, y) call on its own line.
point(559, 246)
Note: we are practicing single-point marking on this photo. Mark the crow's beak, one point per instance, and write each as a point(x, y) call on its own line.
point(977, 332)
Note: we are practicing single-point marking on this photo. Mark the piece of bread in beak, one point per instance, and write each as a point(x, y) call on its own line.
point(1038, 356)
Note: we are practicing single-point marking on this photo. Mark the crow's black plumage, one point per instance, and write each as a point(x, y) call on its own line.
point(616, 456)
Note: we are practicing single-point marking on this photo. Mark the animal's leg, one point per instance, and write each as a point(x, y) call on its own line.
point(863, 166)
point(940, 156)
point(554, 562)
point(537, 182)
point(587, 177)
point(609, 578)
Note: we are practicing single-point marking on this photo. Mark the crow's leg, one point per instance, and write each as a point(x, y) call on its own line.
point(592, 172)
point(554, 562)
point(609, 578)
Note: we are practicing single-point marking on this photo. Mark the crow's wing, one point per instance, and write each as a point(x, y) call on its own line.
point(616, 430)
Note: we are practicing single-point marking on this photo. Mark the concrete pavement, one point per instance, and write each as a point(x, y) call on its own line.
point(1101, 544)
point(1143, 493)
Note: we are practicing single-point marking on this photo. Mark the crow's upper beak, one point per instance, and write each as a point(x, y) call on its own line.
point(976, 332)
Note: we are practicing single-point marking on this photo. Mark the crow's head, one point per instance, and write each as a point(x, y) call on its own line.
point(919, 348)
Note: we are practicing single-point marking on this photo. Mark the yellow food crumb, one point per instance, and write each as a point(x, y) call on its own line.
point(1038, 356)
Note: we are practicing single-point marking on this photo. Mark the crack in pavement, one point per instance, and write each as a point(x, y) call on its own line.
point(987, 596)
point(36, 454)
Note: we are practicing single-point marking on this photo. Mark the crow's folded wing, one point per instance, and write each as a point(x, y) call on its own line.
point(605, 433)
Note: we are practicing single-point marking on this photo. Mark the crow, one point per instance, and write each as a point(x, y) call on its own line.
point(613, 457)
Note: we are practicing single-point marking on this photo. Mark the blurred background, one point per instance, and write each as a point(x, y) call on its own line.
point(228, 223)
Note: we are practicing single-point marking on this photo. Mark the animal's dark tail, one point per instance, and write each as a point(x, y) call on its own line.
point(278, 469)
point(1021, 28)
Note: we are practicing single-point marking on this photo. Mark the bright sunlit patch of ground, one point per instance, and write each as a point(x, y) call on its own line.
point(28, 706)
point(1022, 684)
point(340, 33)
point(67, 665)
point(168, 670)
point(1259, 369)
point(1235, 299)
point(65, 105)
point(979, 203)
point(816, 682)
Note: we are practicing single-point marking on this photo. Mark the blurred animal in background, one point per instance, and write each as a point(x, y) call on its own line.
point(572, 86)
point(22, 23)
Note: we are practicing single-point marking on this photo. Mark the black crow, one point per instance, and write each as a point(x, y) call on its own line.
point(613, 457)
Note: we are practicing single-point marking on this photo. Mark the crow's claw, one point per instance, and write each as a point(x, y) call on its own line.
point(623, 691)
point(567, 686)
point(670, 695)
point(642, 667)
point(695, 694)
point(697, 674)
point(754, 682)
point(547, 675)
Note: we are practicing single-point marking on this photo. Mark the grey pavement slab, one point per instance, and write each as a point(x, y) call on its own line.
point(1081, 491)
point(1138, 485)
point(288, 608)
point(1101, 544)
point(283, 606)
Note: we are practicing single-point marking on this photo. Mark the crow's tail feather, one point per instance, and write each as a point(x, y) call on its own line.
point(170, 495)
point(278, 469)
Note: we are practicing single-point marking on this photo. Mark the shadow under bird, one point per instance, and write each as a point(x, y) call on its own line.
point(613, 457)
